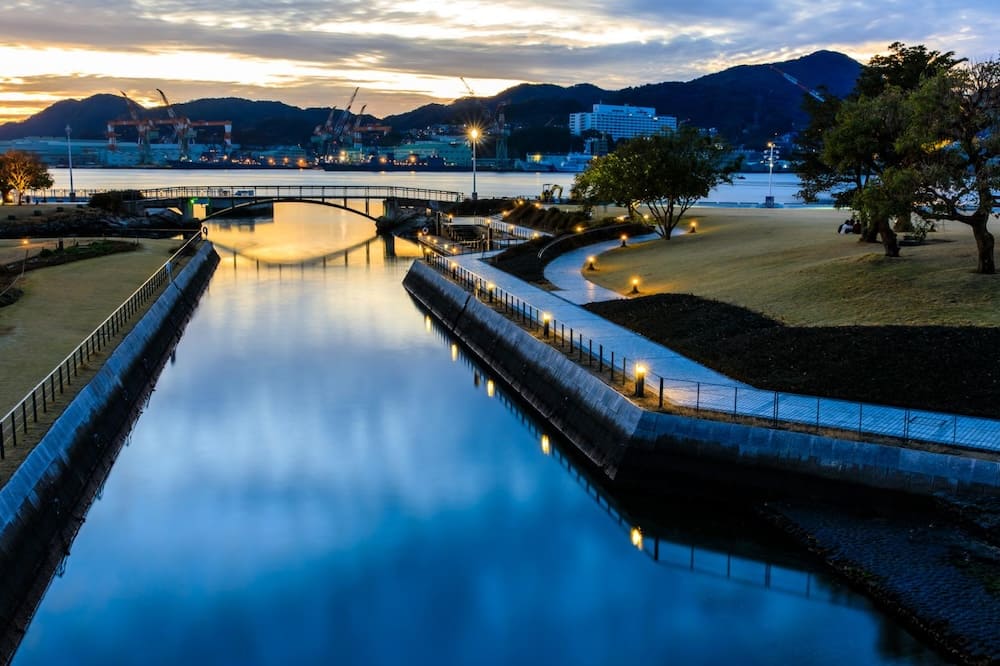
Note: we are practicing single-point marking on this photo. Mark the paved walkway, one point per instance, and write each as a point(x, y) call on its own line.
point(690, 384)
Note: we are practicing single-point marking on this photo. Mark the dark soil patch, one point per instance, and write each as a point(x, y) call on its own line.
point(939, 368)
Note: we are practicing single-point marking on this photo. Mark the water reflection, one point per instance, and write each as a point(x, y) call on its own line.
point(315, 480)
point(692, 545)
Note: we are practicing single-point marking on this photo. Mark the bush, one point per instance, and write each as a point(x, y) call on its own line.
point(114, 201)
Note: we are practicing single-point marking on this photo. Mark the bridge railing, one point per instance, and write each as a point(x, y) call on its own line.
point(15, 424)
point(321, 192)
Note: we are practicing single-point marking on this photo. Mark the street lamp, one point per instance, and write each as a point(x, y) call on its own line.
point(69, 151)
point(474, 137)
point(772, 156)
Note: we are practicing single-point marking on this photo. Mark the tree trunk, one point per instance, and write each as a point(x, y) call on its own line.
point(889, 241)
point(984, 245)
point(869, 233)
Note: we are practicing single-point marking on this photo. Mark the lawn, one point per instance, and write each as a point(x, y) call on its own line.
point(791, 265)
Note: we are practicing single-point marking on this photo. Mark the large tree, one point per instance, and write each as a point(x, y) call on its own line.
point(665, 172)
point(850, 143)
point(950, 166)
point(21, 171)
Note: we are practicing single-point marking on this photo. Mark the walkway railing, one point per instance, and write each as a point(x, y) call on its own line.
point(14, 425)
point(734, 401)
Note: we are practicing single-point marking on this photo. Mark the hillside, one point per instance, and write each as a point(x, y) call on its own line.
point(747, 104)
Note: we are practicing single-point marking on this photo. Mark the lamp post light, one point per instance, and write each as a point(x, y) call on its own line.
point(590, 263)
point(771, 158)
point(624, 239)
point(69, 151)
point(474, 138)
point(640, 381)
point(635, 286)
point(546, 319)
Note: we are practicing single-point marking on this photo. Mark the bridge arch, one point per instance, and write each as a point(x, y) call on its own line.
point(271, 201)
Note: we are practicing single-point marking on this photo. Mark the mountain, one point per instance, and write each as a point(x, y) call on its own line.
point(747, 104)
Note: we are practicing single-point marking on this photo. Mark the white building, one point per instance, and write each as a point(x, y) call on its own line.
point(621, 122)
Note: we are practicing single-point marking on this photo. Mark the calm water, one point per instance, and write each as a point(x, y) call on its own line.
point(751, 189)
point(321, 476)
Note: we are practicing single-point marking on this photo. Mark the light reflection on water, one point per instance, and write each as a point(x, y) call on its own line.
point(322, 477)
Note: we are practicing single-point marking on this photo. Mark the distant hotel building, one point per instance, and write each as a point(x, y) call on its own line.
point(621, 122)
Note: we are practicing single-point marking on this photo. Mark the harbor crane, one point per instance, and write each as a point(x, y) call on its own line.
point(496, 125)
point(183, 132)
point(145, 129)
point(794, 81)
point(329, 134)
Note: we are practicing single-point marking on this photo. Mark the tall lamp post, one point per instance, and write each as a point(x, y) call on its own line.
point(474, 137)
point(69, 151)
point(771, 157)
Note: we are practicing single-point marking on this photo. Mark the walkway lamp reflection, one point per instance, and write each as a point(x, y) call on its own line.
point(454, 352)
point(491, 388)
point(546, 445)
point(636, 537)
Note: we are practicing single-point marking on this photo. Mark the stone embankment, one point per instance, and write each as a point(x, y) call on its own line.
point(43, 503)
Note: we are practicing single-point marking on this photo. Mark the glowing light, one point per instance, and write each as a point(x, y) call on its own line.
point(546, 317)
point(546, 445)
point(636, 536)
point(454, 352)
point(427, 323)
point(491, 388)
point(640, 371)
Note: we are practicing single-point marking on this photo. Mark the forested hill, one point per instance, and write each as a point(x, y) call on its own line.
point(747, 104)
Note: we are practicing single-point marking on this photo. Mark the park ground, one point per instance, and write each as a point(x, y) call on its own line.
point(779, 299)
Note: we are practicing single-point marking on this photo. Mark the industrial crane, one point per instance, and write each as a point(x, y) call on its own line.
point(183, 131)
point(329, 133)
point(794, 81)
point(145, 129)
point(496, 125)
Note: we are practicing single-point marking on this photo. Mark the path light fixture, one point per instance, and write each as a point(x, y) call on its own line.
point(490, 287)
point(579, 228)
point(546, 319)
point(640, 381)
point(694, 227)
point(635, 286)
point(624, 240)
point(636, 536)
point(590, 263)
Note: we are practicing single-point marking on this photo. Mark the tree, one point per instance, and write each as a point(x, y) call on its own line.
point(849, 144)
point(666, 172)
point(950, 166)
point(21, 171)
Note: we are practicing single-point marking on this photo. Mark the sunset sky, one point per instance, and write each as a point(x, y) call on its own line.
point(409, 52)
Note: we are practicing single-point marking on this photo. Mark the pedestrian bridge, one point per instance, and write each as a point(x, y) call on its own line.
point(371, 201)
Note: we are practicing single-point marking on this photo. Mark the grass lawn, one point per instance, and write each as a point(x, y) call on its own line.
point(60, 306)
point(791, 265)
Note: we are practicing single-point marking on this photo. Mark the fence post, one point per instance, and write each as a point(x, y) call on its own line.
point(612, 366)
point(861, 411)
point(661, 392)
point(600, 358)
point(736, 393)
point(34, 406)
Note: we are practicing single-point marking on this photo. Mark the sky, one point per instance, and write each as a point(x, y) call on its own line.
point(405, 53)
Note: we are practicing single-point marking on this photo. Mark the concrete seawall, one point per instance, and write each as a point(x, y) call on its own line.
point(617, 434)
point(43, 503)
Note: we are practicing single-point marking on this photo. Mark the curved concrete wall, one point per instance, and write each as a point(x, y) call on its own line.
point(45, 492)
point(612, 431)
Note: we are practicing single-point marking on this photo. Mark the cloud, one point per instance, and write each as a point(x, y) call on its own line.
point(312, 53)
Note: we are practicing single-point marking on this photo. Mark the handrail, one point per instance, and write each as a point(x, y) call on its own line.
point(732, 400)
point(69, 367)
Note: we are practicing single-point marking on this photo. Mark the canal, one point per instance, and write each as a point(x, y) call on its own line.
point(322, 476)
